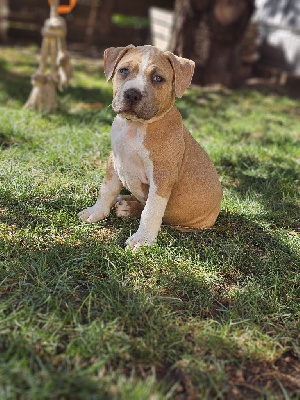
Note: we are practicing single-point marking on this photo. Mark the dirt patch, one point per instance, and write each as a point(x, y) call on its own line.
point(281, 378)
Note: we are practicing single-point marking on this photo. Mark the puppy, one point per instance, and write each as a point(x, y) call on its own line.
point(154, 156)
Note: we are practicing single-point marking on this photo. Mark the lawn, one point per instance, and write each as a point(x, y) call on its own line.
point(206, 315)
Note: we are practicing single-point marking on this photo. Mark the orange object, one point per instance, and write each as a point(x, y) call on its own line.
point(65, 9)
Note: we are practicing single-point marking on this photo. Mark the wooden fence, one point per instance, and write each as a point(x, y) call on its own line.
point(92, 22)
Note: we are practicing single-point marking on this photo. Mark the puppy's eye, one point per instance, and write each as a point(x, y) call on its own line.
point(124, 71)
point(158, 79)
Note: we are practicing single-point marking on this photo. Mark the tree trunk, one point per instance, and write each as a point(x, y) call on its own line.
point(105, 16)
point(211, 32)
point(91, 24)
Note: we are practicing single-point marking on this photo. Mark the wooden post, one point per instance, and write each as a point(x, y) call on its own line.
point(43, 94)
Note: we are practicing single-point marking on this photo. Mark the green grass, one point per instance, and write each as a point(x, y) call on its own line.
point(206, 315)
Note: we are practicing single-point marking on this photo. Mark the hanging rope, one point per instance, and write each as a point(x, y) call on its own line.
point(43, 94)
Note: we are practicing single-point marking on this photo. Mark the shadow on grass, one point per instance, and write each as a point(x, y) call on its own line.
point(150, 298)
point(87, 95)
point(274, 182)
point(26, 212)
point(236, 250)
point(14, 85)
point(101, 267)
point(18, 86)
point(8, 137)
point(218, 101)
point(236, 271)
point(102, 116)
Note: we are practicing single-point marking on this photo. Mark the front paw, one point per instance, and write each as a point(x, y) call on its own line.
point(139, 239)
point(92, 214)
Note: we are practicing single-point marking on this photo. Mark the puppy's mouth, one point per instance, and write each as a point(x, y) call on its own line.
point(129, 113)
point(135, 113)
point(133, 105)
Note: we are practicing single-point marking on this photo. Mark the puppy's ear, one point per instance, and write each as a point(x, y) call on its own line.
point(112, 56)
point(183, 70)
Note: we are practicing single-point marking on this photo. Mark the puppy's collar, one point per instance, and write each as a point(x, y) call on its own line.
point(154, 119)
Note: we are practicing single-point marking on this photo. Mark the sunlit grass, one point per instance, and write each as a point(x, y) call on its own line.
point(83, 318)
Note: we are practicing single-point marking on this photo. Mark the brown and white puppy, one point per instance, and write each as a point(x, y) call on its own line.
point(170, 176)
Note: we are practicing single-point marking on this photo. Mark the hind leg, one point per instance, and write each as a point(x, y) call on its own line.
point(127, 206)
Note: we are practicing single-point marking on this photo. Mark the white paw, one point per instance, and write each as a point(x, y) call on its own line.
point(122, 208)
point(92, 214)
point(139, 239)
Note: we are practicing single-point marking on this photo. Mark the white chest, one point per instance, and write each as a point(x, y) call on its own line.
point(131, 158)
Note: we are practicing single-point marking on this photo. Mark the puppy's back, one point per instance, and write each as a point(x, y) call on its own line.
point(196, 197)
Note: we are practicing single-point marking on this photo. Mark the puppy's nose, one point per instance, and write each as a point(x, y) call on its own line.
point(132, 96)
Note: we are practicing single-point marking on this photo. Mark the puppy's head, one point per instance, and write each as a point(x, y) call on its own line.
point(145, 80)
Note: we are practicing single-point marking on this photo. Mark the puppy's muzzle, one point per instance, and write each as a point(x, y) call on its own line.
point(132, 97)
